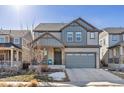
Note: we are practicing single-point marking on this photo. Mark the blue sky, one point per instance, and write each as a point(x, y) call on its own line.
point(25, 16)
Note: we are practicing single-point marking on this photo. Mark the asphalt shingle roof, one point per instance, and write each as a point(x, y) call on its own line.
point(50, 26)
point(14, 33)
point(9, 45)
point(114, 29)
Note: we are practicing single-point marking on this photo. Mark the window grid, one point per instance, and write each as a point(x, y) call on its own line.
point(69, 36)
point(92, 35)
point(16, 40)
point(78, 36)
point(2, 40)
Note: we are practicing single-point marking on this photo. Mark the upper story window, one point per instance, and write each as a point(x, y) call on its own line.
point(78, 36)
point(69, 36)
point(114, 38)
point(2, 39)
point(92, 35)
point(16, 40)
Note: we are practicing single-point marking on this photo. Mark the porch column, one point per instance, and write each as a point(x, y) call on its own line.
point(121, 50)
point(63, 56)
point(12, 58)
point(17, 53)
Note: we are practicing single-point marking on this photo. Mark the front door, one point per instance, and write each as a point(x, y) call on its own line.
point(57, 56)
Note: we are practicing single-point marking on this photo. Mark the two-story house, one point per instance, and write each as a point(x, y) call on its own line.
point(112, 50)
point(14, 49)
point(74, 44)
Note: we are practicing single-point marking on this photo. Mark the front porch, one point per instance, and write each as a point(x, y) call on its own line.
point(116, 57)
point(47, 49)
point(49, 56)
point(10, 57)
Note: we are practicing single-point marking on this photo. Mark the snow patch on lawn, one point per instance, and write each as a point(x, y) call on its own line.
point(57, 75)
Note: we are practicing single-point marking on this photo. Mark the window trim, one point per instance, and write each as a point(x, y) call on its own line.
point(113, 38)
point(78, 36)
point(68, 36)
point(91, 35)
point(3, 39)
point(18, 40)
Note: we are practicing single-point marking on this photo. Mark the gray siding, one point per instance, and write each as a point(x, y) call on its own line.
point(74, 28)
point(56, 34)
point(122, 37)
point(111, 42)
point(49, 42)
point(94, 41)
point(37, 34)
point(84, 24)
point(20, 45)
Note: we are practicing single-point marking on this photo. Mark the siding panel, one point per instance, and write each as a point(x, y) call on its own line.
point(114, 42)
point(74, 28)
point(92, 41)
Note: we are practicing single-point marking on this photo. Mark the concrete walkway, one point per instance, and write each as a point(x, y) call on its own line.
point(87, 76)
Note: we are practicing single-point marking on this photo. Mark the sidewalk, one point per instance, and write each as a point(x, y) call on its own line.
point(73, 84)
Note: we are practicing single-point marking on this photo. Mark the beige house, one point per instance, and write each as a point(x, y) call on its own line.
point(112, 50)
point(14, 49)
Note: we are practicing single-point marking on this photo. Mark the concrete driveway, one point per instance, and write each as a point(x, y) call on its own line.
point(91, 76)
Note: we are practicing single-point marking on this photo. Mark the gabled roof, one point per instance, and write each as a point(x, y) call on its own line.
point(48, 41)
point(14, 33)
point(61, 26)
point(50, 26)
point(9, 45)
point(121, 43)
point(114, 30)
point(87, 23)
point(86, 26)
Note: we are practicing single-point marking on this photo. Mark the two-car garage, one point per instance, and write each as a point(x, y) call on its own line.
point(80, 60)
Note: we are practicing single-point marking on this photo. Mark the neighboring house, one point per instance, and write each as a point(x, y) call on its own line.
point(14, 51)
point(112, 50)
point(73, 45)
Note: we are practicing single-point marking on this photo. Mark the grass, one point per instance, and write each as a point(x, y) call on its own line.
point(30, 77)
point(24, 78)
point(32, 83)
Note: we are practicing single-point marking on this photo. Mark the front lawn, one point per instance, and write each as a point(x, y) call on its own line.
point(45, 76)
point(21, 78)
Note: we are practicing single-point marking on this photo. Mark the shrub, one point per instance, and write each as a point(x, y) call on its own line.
point(9, 85)
point(3, 84)
point(20, 85)
point(33, 83)
point(29, 72)
point(44, 68)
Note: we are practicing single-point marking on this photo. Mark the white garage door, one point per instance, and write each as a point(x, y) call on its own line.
point(80, 60)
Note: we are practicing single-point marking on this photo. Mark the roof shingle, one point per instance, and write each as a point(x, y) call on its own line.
point(14, 33)
point(114, 29)
point(50, 26)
